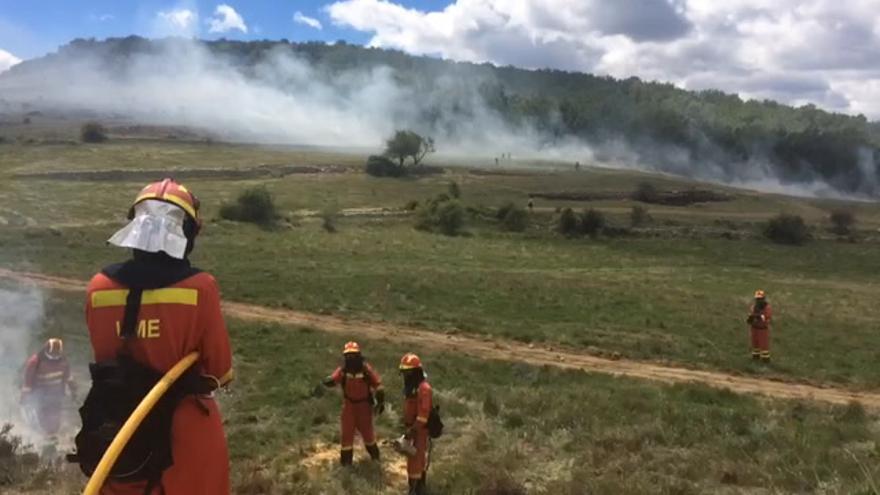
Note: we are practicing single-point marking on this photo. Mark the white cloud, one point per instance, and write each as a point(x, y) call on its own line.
point(300, 18)
point(7, 60)
point(102, 17)
point(825, 52)
point(177, 21)
point(226, 19)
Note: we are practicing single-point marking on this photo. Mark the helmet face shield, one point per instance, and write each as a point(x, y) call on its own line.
point(156, 226)
point(53, 349)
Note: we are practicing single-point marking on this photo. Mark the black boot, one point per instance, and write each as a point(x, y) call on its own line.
point(345, 457)
point(420, 486)
point(373, 450)
point(412, 487)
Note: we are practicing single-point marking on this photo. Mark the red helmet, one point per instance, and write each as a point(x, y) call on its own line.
point(169, 191)
point(410, 361)
point(53, 349)
point(351, 348)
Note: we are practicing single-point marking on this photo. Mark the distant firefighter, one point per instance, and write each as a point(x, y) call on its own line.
point(46, 380)
point(363, 395)
point(531, 204)
point(759, 320)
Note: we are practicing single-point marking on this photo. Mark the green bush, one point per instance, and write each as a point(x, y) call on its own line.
point(593, 222)
point(92, 132)
point(504, 209)
point(254, 205)
point(328, 220)
point(441, 214)
point(842, 221)
point(787, 229)
point(382, 166)
point(639, 216)
point(646, 193)
point(567, 223)
point(454, 190)
point(515, 220)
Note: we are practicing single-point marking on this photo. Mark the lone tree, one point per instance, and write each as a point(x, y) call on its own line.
point(408, 144)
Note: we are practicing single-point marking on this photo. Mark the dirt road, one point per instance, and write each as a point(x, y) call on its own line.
point(502, 350)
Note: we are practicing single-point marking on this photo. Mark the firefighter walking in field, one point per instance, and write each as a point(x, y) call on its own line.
point(46, 380)
point(759, 320)
point(417, 406)
point(363, 394)
point(153, 310)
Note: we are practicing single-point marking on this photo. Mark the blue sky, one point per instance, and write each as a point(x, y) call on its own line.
point(821, 52)
point(30, 28)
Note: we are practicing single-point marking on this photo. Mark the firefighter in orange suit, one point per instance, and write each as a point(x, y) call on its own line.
point(46, 380)
point(361, 388)
point(179, 314)
point(417, 405)
point(759, 320)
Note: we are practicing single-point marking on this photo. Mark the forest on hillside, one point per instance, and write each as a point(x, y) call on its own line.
point(668, 128)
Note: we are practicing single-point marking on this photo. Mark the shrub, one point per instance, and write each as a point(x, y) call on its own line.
point(646, 193)
point(382, 166)
point(26, 121)
point(17, 462)
point(787, 229)
point(842, 221)
point(504, 210)
point(454, 191)
point(515, 220)
point(254, 205)
point(92, 132)
point(411, 205)
point(592, 222)
point(567, 223)
point(639, 216)
point(441, 214)
point(328, 220)
point(501, 483)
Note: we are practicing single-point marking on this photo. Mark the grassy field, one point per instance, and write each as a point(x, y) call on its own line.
point(517, 429)
point(675, 291)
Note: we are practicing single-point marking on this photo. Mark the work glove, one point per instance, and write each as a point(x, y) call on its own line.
point(380, 402)
point(318, 391)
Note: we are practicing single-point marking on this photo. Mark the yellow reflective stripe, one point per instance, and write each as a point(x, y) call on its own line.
point(354, 375)
point(116, 297)
point(46, 376)
point(227, 377)
point(171, 199)
point(349, 447)
point(422, 419)
point(414, 476)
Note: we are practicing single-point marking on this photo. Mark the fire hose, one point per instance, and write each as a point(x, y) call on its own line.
point(134, 421)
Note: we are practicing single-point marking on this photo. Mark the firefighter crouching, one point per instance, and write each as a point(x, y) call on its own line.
point(759, 320)
point(148, 313)
point(46, 380)
point(363, 395)
point(417, 407)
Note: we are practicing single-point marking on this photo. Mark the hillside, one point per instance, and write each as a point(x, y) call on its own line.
point(313, 93)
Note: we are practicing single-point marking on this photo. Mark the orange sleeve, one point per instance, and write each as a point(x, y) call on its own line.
point(30, 373)
point(426, 401)
point(375, 379)
point(215, 351)
point(768, 313)
point(337, 375)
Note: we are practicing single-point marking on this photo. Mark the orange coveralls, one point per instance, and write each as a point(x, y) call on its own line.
point(173, 321)
point(416, 410)
point(357, 412)
point(44, 382)
point(761, 333)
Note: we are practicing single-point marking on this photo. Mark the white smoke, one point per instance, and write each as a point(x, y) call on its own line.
point(283, 99)
point(22, 313)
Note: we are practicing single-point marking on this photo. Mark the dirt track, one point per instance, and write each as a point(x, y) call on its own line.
point(508, 351)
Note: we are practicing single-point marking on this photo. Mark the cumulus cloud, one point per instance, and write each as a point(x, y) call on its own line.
point(825, 52)
point(226, 19)
point(301, 18)
point(7, 60)
point(176, 21)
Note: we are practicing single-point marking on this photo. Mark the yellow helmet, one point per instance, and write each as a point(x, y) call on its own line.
point(759, 294)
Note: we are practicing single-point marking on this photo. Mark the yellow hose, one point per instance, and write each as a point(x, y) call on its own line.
point(135, 420)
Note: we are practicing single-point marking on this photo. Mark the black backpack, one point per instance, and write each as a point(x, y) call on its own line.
point(435, 424)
